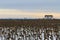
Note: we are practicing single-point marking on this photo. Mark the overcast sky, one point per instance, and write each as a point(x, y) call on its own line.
point(31, 5)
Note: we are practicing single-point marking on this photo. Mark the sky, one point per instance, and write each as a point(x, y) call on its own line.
point(29, 8)
point(31, 5)
point(19, 14)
